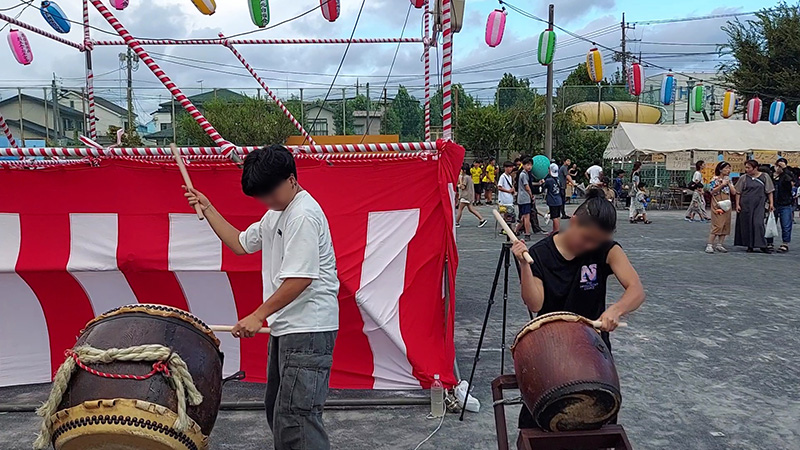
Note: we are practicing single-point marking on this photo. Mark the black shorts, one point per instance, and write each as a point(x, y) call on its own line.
point(524, 209)
point(555, 212)
point(478, 189)
point(488, 186)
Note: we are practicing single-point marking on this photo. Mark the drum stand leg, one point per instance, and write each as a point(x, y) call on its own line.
point(503, 261)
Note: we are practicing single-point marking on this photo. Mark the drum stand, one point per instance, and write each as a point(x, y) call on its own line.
point(504, 261)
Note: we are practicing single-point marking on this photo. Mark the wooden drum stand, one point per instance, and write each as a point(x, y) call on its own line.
point(609, 436)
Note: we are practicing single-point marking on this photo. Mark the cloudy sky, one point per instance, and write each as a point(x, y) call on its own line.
point(684, 46)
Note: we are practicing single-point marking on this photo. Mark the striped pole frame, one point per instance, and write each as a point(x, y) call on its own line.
point(87, 45)
point(447, 72)
point(11, 141)
point(405, 40)
point(269, 92)
point(427, 46)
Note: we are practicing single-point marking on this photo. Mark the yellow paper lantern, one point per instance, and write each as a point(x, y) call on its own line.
point(594, 65)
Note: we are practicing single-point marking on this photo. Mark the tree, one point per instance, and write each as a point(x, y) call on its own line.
point(459, 97)
point(512, 91)
point(250, 121)
point(481, 130)
point(764, 52)
point(130, 138)
point(572, 140)
point(524, 126)
point(409, 122)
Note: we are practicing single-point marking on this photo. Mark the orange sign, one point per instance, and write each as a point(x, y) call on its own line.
point(737, 161)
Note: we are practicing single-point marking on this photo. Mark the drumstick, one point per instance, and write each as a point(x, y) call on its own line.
point(510, 234)
point(598, 324)
point(186, 180)
point(228, 329)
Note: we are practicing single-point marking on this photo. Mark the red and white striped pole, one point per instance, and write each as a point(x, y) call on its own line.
point(315, 41)
point(7, 132)
point(427, 45)
point(447, 71)
point(227, 147)
point(269, 92)
point(87, 45)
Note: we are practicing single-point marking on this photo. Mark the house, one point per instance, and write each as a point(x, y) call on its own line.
point(319, 120)
point(370, 123)
point(106, 112)
point(162, 118)
point(38, 119)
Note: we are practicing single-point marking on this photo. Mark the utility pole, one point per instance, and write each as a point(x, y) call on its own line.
point(548, 122)
point(344, 112)
point(56, 110)
point(624, 54)
point(21, 116)
point(174, 124)
point(128, 61)
point(46, 122)
point(302, 109)
point(689, 86)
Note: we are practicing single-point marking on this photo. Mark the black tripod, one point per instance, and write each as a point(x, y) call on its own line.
point(504, 261)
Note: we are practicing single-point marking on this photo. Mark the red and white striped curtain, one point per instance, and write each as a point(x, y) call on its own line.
point(76, 241)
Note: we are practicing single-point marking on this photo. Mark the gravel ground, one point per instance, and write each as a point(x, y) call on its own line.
point(708, 363)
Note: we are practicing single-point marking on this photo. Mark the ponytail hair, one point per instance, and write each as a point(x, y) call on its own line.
point(597, 211)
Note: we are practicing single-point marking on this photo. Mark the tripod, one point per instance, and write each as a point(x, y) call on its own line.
point(504, 261)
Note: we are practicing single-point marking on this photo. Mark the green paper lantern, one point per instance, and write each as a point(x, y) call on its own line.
point(697, 98)
point(547, 47)
point(259, 12)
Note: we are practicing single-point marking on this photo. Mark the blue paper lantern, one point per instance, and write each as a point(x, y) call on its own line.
point(776, 110)
point(55, 16)
point(667, 89)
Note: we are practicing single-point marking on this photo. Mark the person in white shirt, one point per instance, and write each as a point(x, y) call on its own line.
point(300, 297)
point(505, 185)
point(594, 173)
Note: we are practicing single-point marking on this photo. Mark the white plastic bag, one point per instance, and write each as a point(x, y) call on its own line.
point(472, 403)
point(772, 227)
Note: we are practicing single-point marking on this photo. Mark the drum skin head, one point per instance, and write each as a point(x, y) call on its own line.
point(583, 406)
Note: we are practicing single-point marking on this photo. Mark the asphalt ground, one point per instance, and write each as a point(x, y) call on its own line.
point(710, 361)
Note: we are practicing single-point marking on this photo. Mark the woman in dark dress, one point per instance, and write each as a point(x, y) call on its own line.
point(570, 270)
point(755, 190)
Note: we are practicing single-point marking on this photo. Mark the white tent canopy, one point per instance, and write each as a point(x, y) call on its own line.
point(718, 135)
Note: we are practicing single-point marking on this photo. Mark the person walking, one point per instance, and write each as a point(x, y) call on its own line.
point(524, 198)
point(755, 189)
point(489, 185)
point(697, 178)
point(573, 175)
point(477, 174)
point(721, 190)
point(553, 198)
point(636, 178)
point(466, 197)
point(564, 180)
point(783, 181)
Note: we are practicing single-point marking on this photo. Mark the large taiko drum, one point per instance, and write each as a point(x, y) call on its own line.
point(566, 373)
point(100, 411)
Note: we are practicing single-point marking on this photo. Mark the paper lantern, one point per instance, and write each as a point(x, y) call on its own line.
point(636, 79)
point(667, 89)
point(259, 12)
point(797, 114)
point(594, 65)
point(330, 9)
point(728, 104)
point(119, 4)
point(547, 47)
point(418, 3)
point(55, 16)
point(495, 26)
point(206, 7)
point(20, 47)
point(697, 98)
point(754, 110)
point(776, 110)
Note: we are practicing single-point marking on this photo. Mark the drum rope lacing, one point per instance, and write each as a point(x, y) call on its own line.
point(175, 370)
point(508, 401)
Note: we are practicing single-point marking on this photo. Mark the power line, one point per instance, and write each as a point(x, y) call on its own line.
point(692, 19)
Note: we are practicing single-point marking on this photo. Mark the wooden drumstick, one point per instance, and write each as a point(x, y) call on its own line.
point(229, 328)
point(186, 180)
point(598, 324)
point(510, 234)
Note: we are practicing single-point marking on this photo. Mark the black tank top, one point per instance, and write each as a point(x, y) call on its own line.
point(578, 285)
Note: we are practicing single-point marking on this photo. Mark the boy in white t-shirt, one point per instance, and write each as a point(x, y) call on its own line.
point(594, 172)
point(300, 293)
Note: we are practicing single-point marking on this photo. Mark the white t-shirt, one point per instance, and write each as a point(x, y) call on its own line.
point(594, 174)
point(697, 177)
point(296, 243)
point(505, 198)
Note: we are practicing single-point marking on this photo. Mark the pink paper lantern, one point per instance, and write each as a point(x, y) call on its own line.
point(330, 9)
point(119, 4)
point(20, 47)
point(754, 110)
point(418, 3)
point(495, 26)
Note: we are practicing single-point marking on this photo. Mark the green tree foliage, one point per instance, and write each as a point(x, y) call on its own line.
point(249, 122)
point(481, 130)
point(460, 97)
point(571, 139)
point(578, 87)
point(405, 117)
point(359, 103)
point(765, 56)
point(513, 91)
point(524, 126)
point(129, 139)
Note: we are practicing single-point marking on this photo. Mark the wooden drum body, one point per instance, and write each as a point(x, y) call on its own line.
point(566, 373)
point(98, 412)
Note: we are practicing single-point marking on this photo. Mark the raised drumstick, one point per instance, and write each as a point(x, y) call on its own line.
point(186, 180)
point(229, 328)
point(598, 324)
point(510, 234)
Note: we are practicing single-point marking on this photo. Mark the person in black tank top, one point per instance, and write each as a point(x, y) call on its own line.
point(570, 271)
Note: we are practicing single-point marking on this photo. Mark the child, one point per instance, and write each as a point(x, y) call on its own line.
point(466, 196)
point(698, 205)
point(300, 292)
point(477, 174)
point(553, 199)
point(641, 205)
point(488, 180)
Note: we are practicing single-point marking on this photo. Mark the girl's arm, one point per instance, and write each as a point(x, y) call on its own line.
point(531, 288)
point(634, 295)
